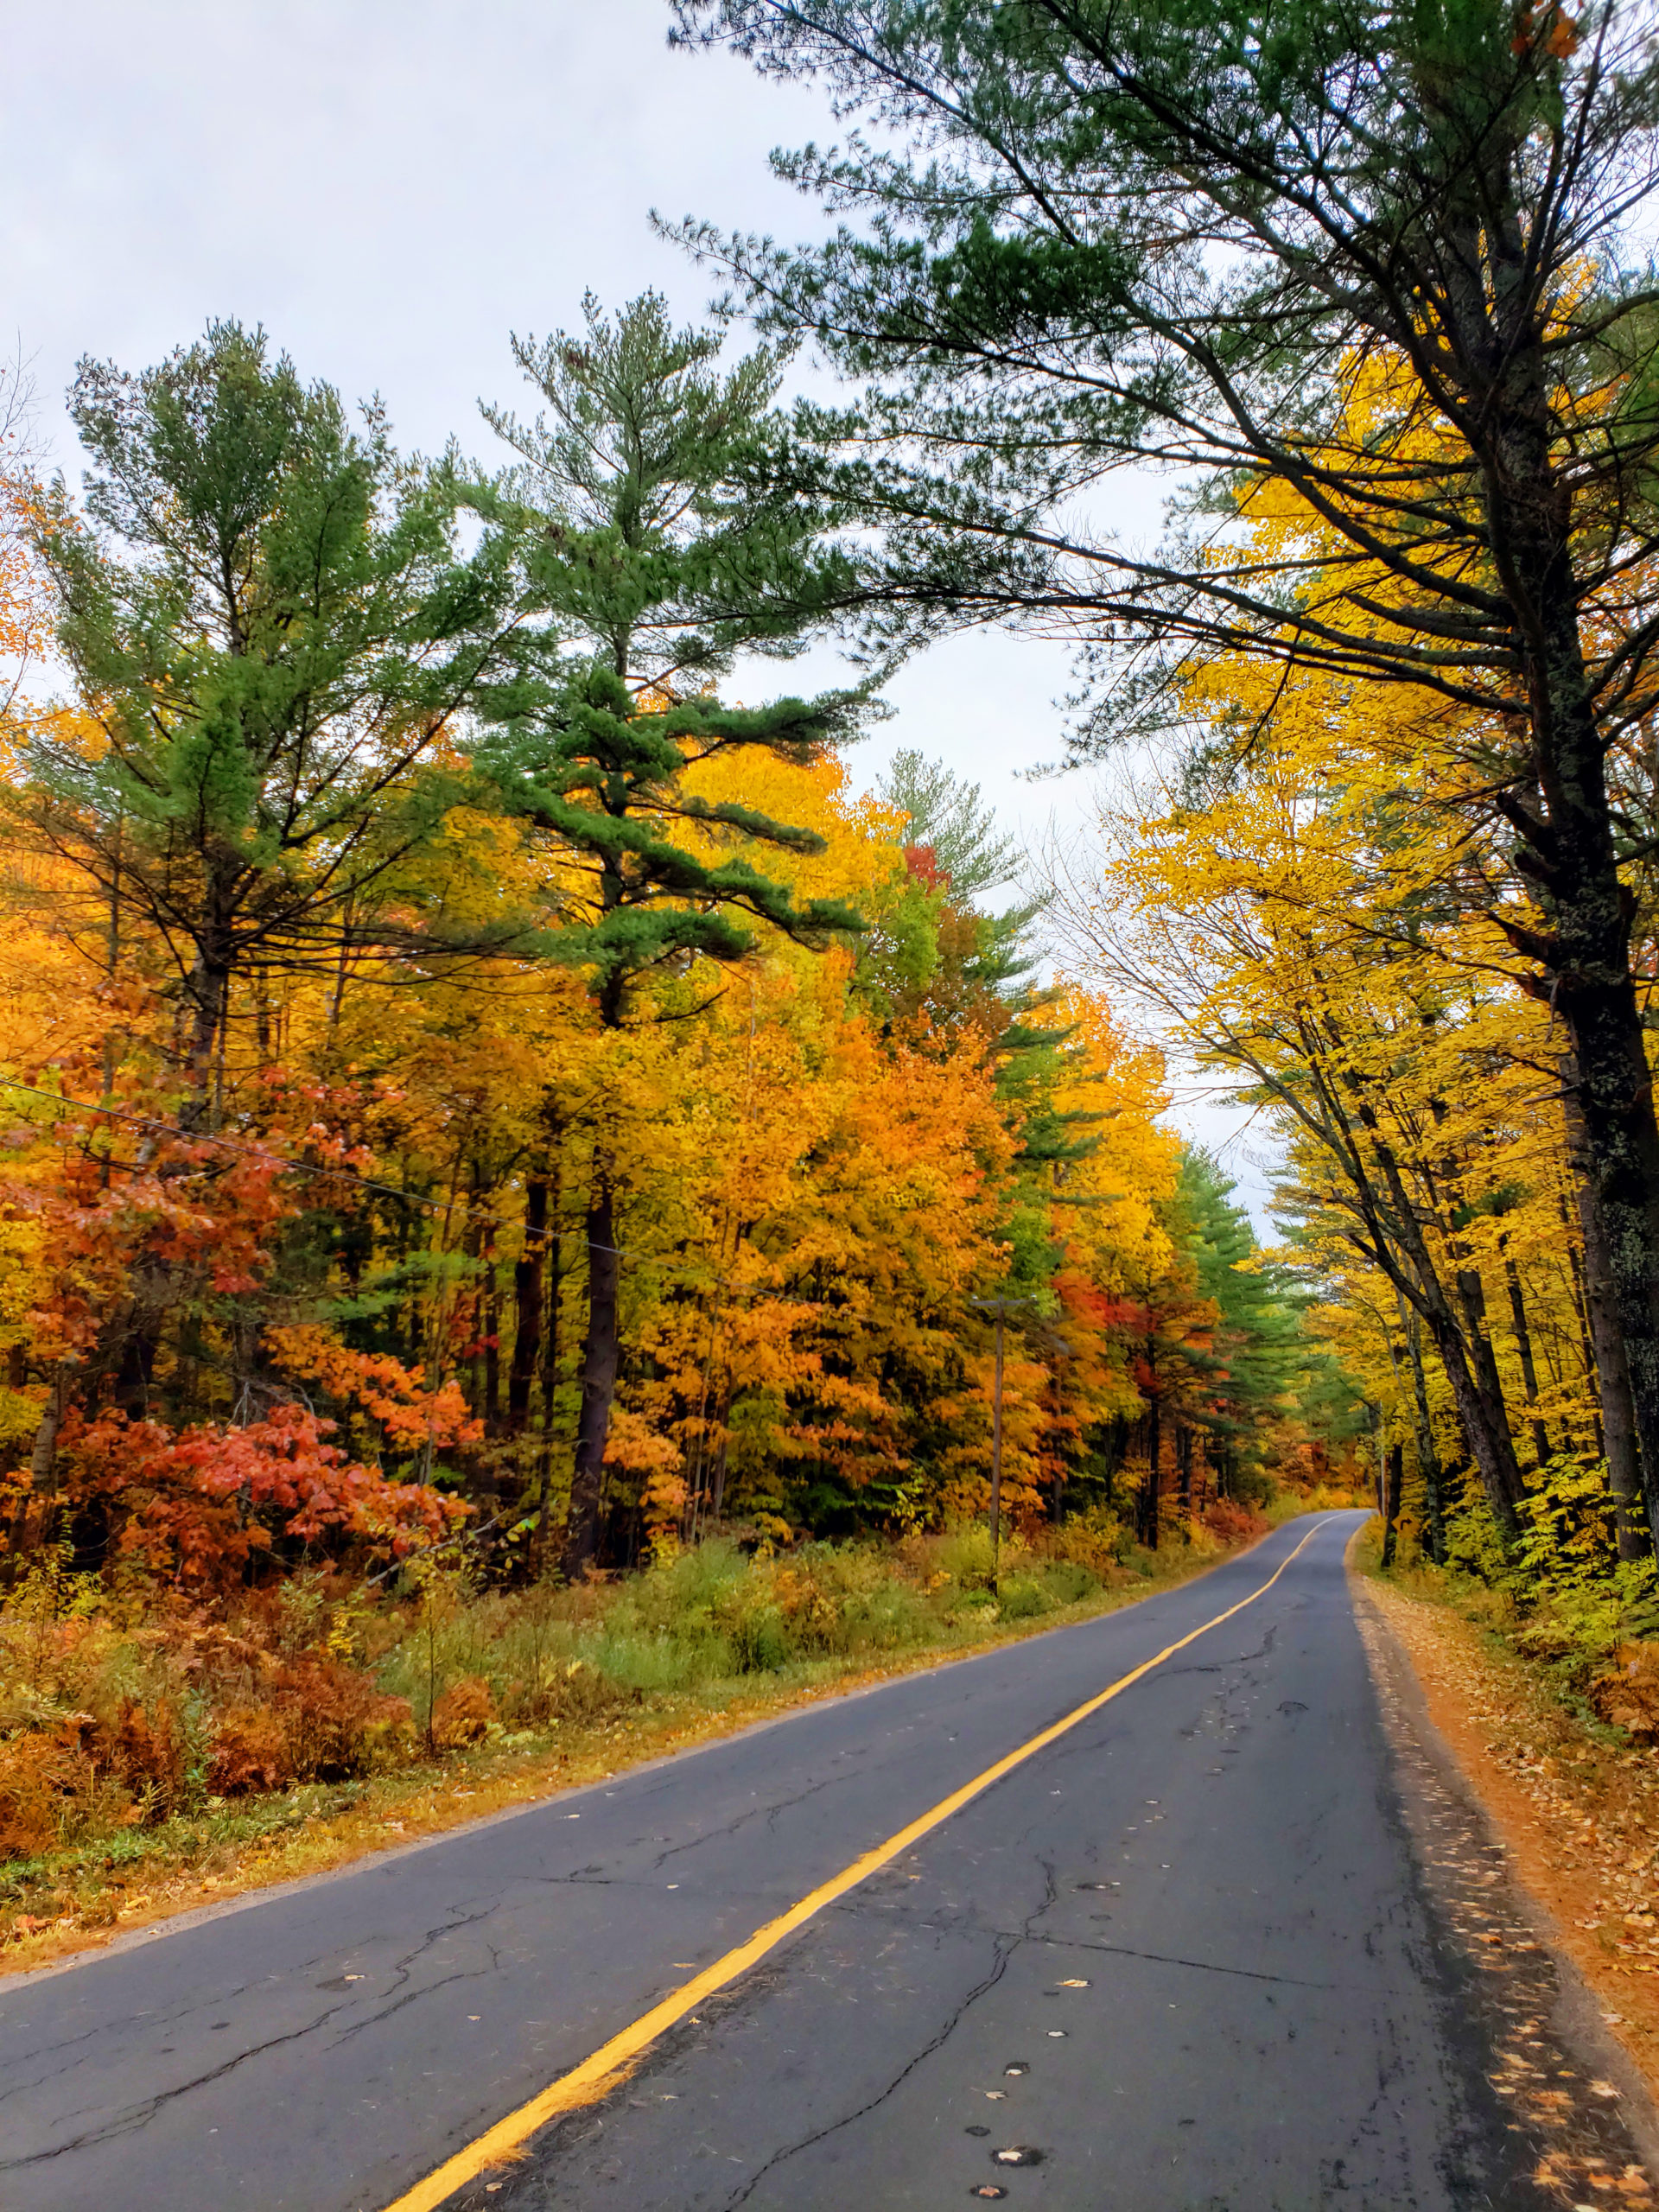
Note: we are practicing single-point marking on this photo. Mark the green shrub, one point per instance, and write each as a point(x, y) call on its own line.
point(1068, 1582)
point(1020, 1600)
point(965, 1554)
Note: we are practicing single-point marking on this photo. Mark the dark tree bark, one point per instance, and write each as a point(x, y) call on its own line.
point(1465, 1352)
point(1429, 1459)
point(601, 1359)
point(1541, 1444)
point(492, 1349)
point(1632, 1504)
point(527, 1302)
point(550, 1352)
point(1149, 1497)
point(1394, 1482)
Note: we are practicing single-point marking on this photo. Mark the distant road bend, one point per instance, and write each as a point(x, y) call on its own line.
point(1126, 1918)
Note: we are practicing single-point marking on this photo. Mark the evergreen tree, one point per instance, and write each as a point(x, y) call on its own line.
point(648, 569)
point(949, 820)
point(1267, 1366)
point(984, 972)
point(266, 610)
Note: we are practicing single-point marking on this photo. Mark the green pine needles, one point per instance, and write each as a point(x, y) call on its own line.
point(269, 609)
point(654, 557)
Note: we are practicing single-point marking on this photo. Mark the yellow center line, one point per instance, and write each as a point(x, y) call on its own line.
point(613, 2060)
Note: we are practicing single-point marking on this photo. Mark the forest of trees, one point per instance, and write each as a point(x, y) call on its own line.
point(481, 1083)
point(469, 1078)
point(486, 1112)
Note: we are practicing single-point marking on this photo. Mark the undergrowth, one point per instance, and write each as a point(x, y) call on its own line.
point(1560, 1598)
point(140, 1738)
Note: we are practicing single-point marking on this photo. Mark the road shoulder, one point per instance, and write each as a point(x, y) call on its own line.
point(1575, 2064)
point(405, 1812)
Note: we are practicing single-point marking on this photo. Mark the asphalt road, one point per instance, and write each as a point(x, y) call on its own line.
point(1186, 1957)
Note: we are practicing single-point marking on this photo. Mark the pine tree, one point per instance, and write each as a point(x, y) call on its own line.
point(1265, 1365)
point(265, 610)
point(648, 568)
point(948, 819)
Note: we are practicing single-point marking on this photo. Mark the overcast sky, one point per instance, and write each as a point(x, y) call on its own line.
point(392, 185)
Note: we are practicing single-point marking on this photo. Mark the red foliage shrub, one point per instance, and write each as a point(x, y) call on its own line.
point(143, 1745)
point(37, 1773)
point(250, 1751)
point(337, 1724)
point(463, 1713)
point(197, 1503)
point(320, 1721)
point(1234, 1523)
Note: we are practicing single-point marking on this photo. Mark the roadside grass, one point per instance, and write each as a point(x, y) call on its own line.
point(1575, 1797)
point(465, 1703)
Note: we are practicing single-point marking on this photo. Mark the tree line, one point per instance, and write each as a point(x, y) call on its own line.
point(470, 1080)
point(1366, 291)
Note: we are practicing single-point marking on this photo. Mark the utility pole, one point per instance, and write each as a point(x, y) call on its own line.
point(1002, 1307)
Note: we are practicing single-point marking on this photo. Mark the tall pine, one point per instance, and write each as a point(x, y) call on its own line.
point(650, 565)
point(267, 610)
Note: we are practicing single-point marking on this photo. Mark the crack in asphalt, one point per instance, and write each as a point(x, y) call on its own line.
point(1168, 1958)
point(401, 1966)
point(140, 2023)
point(1005, 1946)
point(139, 2115)
point(769, 1813)
point(818, 2135)
point(414, 1997)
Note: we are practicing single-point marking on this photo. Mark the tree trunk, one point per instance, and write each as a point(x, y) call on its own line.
point(492, 1348)
point(1569, 854)
point(1528, 1370)
point(527, 1304)
point(1586, 1348)
point(1477, 1389)
point(601, 1355)
point(550, 1365)
point(44, 1460)
point(1183, 1463)
point(722, 1455)
point(1428, 1460)
point(1484, 1422)
point(1617, 1102)
point(1394, 1482)
point(1612, 1372)
point(208, 991)
point(1149, 1514)
point(263, 1023)
point(996, 1458)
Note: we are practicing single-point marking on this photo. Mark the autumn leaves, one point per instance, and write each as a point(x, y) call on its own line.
point(470, 1075)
